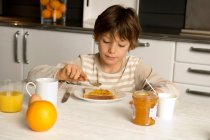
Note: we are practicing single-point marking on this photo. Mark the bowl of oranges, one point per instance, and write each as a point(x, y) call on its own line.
point(53, 11)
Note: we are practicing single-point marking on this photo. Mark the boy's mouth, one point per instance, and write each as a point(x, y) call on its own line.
point(112, 57)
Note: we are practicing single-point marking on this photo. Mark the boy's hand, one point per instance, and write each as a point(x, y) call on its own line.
point(71, 72)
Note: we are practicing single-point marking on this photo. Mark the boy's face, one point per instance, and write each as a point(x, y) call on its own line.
point(112, 50)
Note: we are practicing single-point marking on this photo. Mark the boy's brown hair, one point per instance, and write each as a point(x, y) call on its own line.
point(119, 21)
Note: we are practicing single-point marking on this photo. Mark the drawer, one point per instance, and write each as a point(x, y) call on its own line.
point(194, 94)
point(193, 53)
point(192, 74)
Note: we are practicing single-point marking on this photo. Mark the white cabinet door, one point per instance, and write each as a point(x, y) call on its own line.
point(193, 93)
point(159, 54)
point(10, 51)
point(52, 47)
point(192, 67)
point(192, 74)
point(196, 53)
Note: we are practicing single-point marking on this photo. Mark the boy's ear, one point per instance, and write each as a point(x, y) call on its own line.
point(129, 49)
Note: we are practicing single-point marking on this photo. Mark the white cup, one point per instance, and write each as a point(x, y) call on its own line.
point(166, 104)
point(47, 88)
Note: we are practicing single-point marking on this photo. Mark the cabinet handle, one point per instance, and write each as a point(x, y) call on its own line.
point(198, 92)
point(143, 44)
point(87, 3)
point(198, 71)
point(25, 56)
point(16, 48)
point(200, 50)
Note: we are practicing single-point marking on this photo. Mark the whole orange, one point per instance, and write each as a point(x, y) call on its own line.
point(55, 4)
point(48, 7)
point(44, 2)
point(46, 13)
point(57, 14)
point(62, 8)
point(41, 115)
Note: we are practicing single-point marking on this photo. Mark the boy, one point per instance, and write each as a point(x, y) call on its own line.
point(116, 32)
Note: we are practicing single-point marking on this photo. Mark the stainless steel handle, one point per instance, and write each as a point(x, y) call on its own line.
point(198, 71)
point(198, 92)
point(16, 48)
point(204, 50)
point(87, 3)
point(147, 44)
point(25, 47)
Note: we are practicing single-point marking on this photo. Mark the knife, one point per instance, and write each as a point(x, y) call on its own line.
point(66, 96)
point(83, 85)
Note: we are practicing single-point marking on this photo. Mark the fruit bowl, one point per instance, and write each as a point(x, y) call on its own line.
point(53, 11)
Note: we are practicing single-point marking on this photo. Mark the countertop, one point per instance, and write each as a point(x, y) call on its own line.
point(76, 27)
point(79, 119)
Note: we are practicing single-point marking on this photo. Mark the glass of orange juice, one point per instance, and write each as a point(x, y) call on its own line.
point(145, 107)
point(11, 96)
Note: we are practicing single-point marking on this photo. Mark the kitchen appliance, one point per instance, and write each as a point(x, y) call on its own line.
point(21, 9)
point(197, 15)
point(162, 16)
point(92, 8)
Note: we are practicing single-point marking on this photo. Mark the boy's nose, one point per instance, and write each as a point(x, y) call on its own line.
point(112, 48)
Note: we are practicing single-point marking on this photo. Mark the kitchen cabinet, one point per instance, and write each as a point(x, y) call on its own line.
point(192, 69)
point(189, 93)
point(10, 53)
point(157, 53)
point(35, 47)
point(52, 47)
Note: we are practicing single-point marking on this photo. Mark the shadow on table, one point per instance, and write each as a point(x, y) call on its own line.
point(22, 119)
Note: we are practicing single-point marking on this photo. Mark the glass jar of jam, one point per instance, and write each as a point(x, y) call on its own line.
point(145, 107)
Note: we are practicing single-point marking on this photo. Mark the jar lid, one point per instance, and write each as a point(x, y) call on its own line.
point(144, 94)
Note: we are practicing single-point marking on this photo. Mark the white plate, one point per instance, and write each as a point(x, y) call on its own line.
point(79, 94)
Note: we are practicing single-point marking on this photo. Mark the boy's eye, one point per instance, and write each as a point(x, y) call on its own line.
point(105, 41)
point(121, 45)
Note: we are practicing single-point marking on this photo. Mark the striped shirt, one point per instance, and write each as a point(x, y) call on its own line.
point(130, 77)
point(121, 81)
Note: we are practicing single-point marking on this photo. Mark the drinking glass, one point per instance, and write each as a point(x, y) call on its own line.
point(11, 96)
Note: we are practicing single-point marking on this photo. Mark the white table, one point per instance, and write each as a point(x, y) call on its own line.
point(82, 120)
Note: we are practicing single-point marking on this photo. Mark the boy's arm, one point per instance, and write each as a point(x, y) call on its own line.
point(49, 71)
point(144, 72)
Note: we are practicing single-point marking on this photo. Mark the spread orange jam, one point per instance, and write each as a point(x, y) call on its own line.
point(145, 107)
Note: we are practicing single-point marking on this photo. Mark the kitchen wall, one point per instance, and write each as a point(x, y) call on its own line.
point(159, 15)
